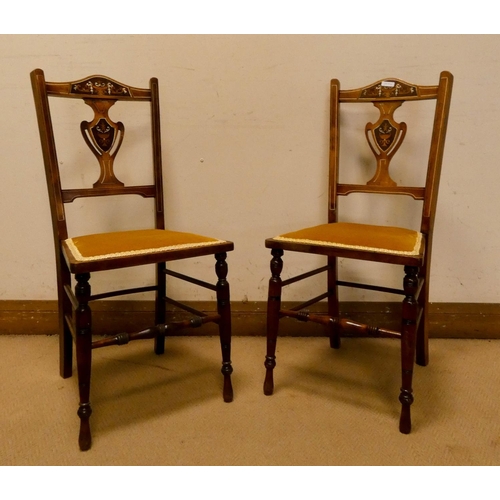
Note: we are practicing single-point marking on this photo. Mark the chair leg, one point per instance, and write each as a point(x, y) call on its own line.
point(408, 336)
point(423, 327)
point(333, 303)
point(65, 338)
point(160, 313)
point(83, 356)
point(273, 310)
point(65, 311)
point(224, 310)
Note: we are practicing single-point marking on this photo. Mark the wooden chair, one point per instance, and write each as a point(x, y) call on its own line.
point(81, 255)
point(368, 242)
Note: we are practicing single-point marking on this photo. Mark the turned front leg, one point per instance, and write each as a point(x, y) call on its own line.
point(224, 310)
point(83, 356)
point(273, 317)
point(408, 336)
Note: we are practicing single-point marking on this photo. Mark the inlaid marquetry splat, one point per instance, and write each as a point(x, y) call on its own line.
point(385, 137)
point(104, 138)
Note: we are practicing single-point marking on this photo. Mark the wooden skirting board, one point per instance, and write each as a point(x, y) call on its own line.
point(448, 320)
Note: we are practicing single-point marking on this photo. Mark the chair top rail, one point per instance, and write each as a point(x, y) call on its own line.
point(97, 87)
point(389, 89)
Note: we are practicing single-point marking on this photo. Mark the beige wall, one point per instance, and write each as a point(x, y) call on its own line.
point(255, 109)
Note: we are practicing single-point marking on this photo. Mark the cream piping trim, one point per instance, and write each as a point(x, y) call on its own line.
point(79, 257)
point(415, 250)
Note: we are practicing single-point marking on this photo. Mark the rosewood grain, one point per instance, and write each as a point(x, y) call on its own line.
point(385, 136)
point(104, 137)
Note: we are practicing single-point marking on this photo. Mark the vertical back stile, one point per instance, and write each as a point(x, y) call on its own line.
point(437, 150)
point(334, 150)
point(49, 154)
point(157, 163)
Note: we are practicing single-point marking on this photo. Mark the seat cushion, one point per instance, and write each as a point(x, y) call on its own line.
point(383, 239)
point(95, 247)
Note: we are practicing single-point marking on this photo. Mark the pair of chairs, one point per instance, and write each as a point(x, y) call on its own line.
point(77, 257)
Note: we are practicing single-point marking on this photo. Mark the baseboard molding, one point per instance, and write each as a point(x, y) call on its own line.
point(447, 320)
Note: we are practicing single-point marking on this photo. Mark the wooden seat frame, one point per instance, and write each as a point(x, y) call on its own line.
point(384, 137)
point(100, 93)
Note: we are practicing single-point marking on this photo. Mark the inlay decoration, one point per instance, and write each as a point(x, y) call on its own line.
point(99, 86)
point(104, 138)
point(385, 137)
point(390, 88)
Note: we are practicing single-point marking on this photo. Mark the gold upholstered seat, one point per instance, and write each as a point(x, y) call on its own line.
point(78, 256)
point(104, 246)
point(351, 241)
point(363, 237)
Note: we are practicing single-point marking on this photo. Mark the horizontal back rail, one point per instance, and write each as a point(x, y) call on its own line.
point(69, 195)
point(417, 193)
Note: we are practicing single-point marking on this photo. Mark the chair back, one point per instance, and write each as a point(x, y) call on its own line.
point(385, 136)
point(102, 135)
